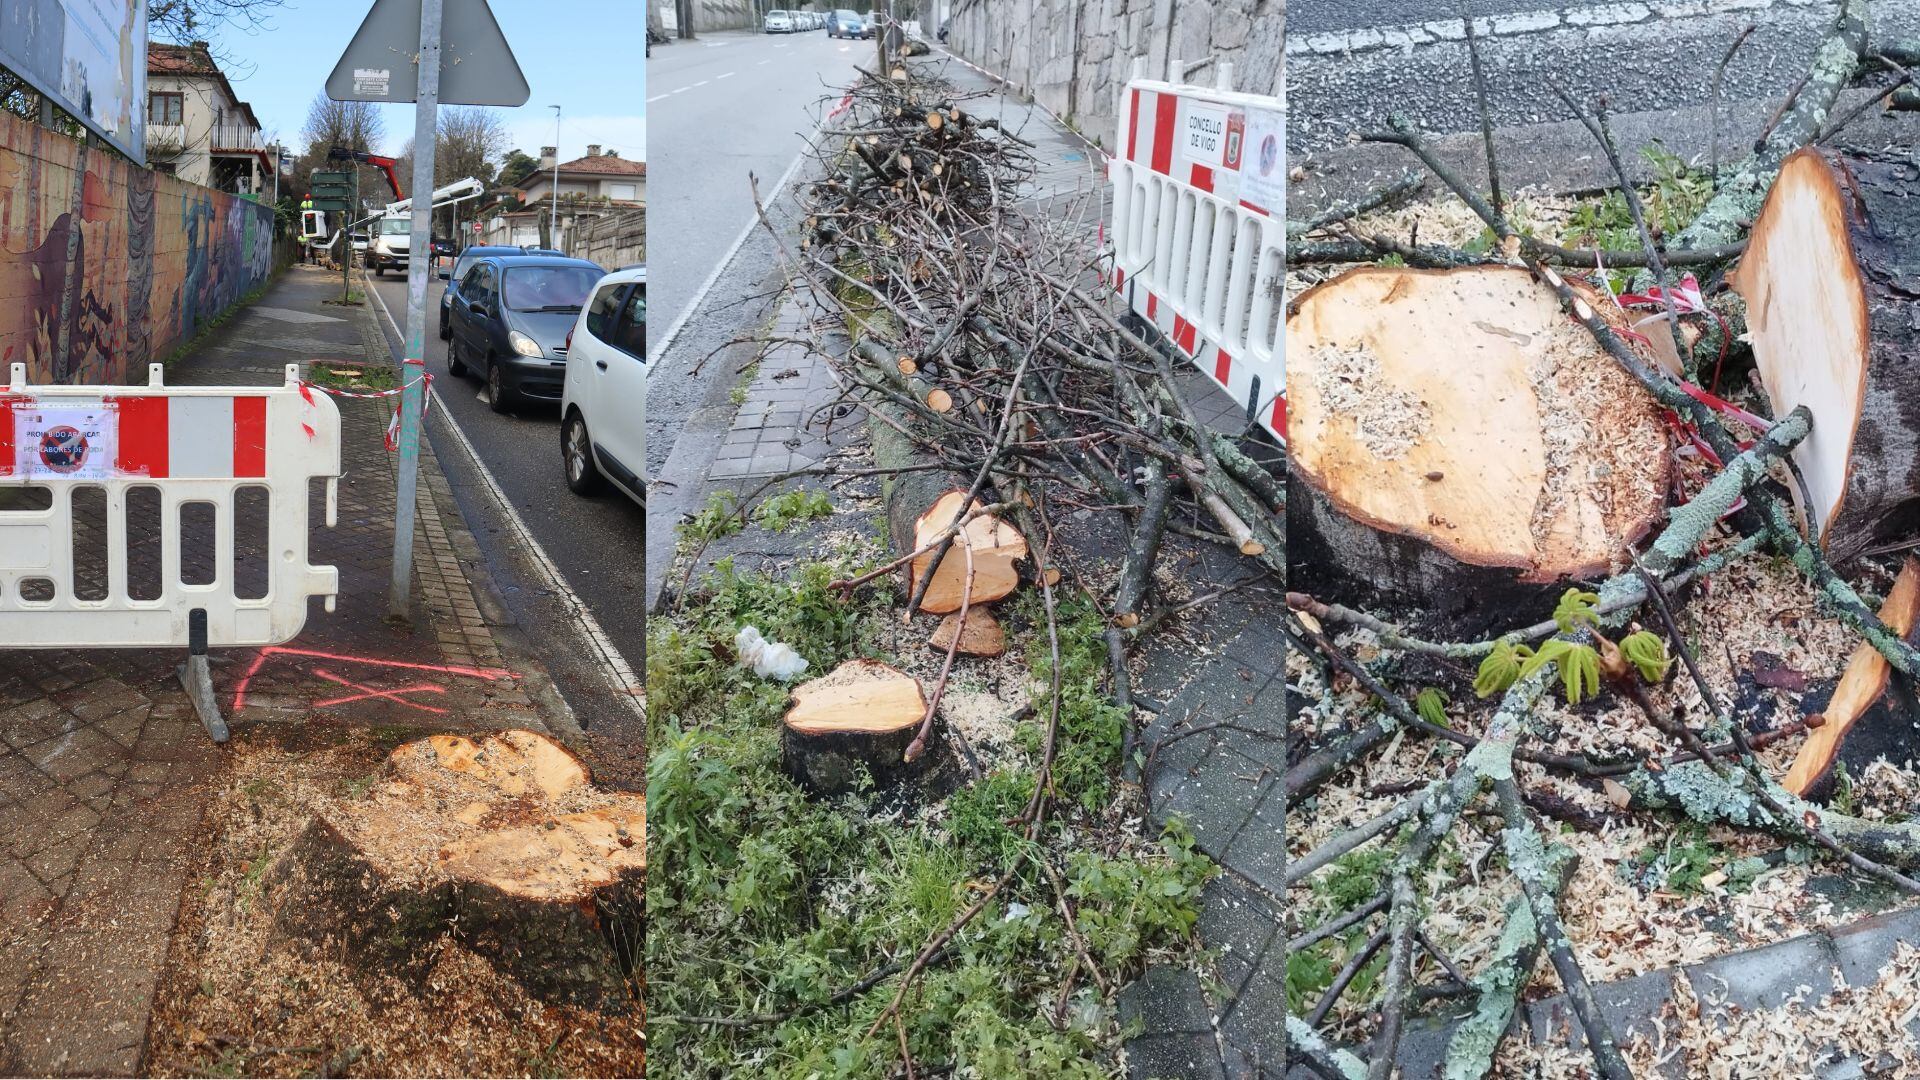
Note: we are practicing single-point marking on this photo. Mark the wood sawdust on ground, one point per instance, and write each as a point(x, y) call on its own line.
point(1709, 1039)
point(235, 1000)
point(1620, 924)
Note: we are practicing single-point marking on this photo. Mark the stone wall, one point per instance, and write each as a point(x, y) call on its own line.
point(1074, 56)
point(710, 15)
point(106, 266)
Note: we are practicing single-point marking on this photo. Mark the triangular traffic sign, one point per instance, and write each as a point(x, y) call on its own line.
point(476, 66)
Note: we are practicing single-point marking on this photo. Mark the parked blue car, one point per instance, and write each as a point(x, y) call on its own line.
point(511, 323)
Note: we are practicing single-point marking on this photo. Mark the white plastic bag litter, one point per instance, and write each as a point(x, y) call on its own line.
point(768, 659)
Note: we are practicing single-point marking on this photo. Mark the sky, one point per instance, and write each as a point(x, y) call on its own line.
point(586, 56)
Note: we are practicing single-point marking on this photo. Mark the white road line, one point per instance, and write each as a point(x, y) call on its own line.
point(683, 90)
point(703, 82)
point(728, 75)
point(618, 673)
point(655, 98)
point(680, 321)
point(764, 63)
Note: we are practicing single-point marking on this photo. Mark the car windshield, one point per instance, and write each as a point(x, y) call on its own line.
point(548, 288)
point(396, 226)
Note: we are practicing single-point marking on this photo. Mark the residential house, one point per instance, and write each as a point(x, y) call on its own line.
point(607, 176)
point(594, 190)
point(197, 128)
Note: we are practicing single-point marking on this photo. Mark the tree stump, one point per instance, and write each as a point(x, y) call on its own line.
point(1459, 445)
point(996, 549)
point(1831, 277)
point(503, 843)
point(862, 714)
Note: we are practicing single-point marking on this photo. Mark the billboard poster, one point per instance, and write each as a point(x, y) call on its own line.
point(89, 56)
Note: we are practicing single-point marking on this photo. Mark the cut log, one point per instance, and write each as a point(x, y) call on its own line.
point(1459, 445)
point(981, 636)
point(996, 548)
point(859, 717)
point(503, 843)
point(1831, 277)
point(1861, 686)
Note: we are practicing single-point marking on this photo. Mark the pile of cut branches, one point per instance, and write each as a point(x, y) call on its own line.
point(1001, 379)
point(1814, 470)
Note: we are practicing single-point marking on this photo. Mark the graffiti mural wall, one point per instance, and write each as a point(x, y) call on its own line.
point(105, 266)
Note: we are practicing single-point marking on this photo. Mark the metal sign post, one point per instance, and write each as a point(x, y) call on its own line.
point(426, 128)
point(479, 69)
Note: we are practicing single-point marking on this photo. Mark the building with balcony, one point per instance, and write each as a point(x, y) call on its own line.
point(197, 128)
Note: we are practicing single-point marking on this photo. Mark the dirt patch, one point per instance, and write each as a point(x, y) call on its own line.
point(239, 999)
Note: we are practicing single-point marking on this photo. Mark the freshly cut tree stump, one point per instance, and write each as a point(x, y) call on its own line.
point(1831, 277)
point(1460, 445)
point(1861, 697)
point(981, 636)
point(996, 545)
point(861, 714)
point(504, 843)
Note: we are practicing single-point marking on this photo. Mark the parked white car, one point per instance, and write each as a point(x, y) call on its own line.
point(603, 406)
point(778, 22)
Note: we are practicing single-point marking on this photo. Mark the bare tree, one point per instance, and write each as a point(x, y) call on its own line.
point(190, 20)
point(182, 21)
point(355, 125)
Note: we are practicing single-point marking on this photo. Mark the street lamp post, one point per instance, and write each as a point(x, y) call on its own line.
point(553, 197)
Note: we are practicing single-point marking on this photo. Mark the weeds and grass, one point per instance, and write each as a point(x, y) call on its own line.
point(789, 508)
point(1348, 882)
point(719, 519)
point(359, 378)
point(1672, 201)
point(763, 901)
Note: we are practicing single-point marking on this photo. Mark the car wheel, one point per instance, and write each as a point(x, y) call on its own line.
point(454, 367)
point(576, 454)
point(446, 330)
point(499, 398)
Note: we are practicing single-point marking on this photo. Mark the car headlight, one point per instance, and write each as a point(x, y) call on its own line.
point(523, 344)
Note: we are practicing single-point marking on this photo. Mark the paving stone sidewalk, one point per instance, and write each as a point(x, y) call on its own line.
point(105, 770)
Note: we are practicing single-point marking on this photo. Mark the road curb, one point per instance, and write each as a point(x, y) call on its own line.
point(437, 507)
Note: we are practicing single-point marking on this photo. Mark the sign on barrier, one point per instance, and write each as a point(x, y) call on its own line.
point(119, 510)
point(1198, 232)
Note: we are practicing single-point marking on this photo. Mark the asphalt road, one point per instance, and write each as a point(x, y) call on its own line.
point(596, 546)
point(720, 109)
point(1352, 63)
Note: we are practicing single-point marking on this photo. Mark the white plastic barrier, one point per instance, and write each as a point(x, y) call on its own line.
point(192, 444)
point(1198, 231)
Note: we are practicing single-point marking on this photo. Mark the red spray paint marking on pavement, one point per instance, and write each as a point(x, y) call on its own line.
point(260, 660)
point(390, 695)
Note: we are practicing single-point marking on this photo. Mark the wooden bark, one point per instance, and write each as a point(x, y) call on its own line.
point(1459, 447)
point(859, 717)
point(1861, 696)
point(1831, 278)
point(503, 843)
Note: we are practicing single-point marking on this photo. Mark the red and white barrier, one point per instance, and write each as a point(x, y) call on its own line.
point(191, 445)
point(1198, 232)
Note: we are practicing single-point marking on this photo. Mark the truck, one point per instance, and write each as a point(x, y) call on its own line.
point(392, 229)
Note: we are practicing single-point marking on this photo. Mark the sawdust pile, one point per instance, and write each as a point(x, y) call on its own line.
point(1388, 420)
point(233, 1001)
point(1622, 919)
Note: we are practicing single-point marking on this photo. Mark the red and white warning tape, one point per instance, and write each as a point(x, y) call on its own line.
point(424, 381)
